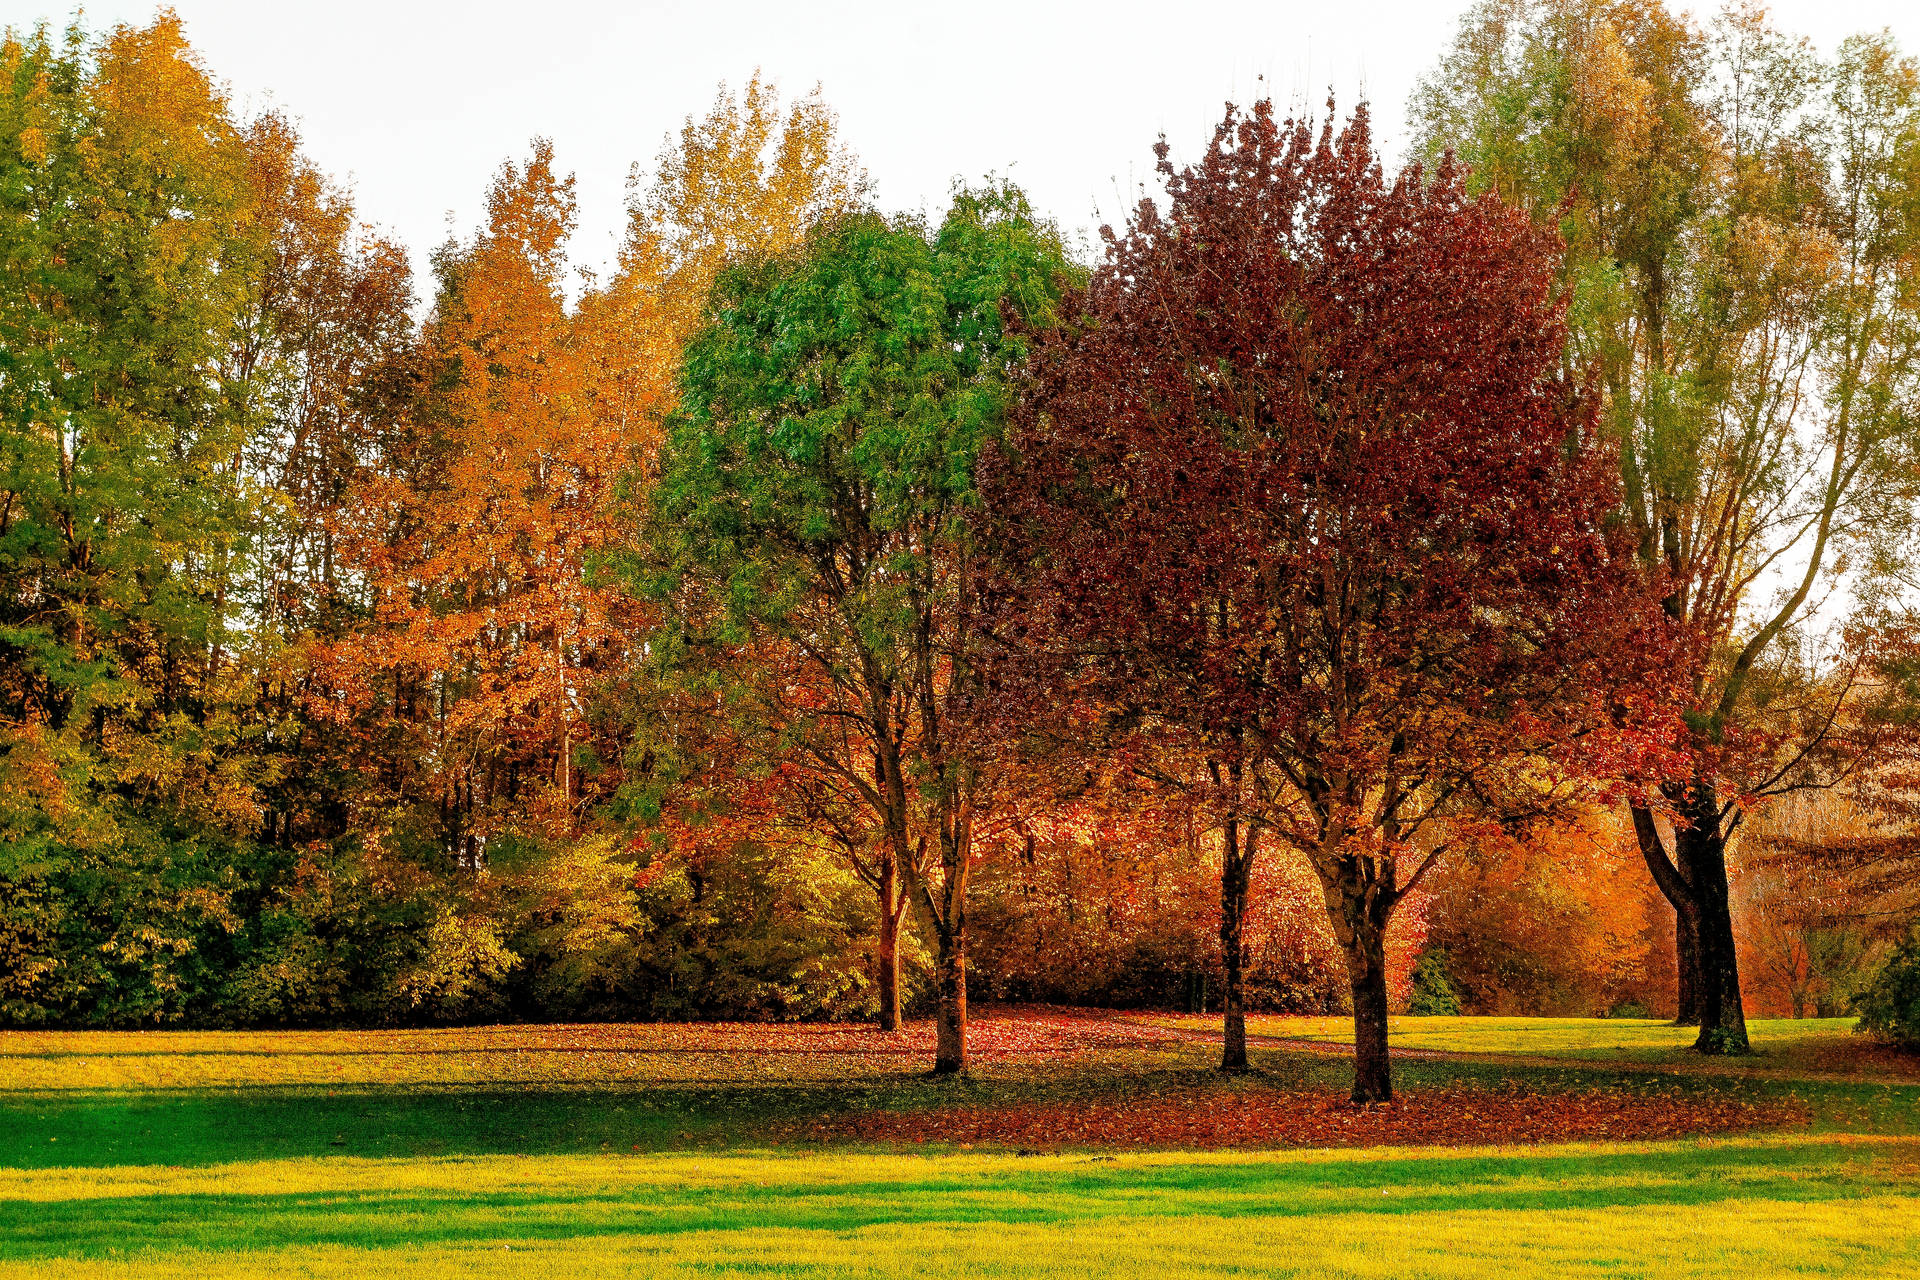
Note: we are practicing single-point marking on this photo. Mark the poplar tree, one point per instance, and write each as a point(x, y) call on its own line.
point(1742, 221)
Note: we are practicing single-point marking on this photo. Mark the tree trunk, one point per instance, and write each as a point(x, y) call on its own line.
point(941, 906)
point(950, 1044)
point(1723, 1017)
point(1670, 876)
point(1360, 894)
point(1694, 880)
point(887, 954)
point(1367, 973)
point(943, 916)
point(1235, 873)
point(1686, 968)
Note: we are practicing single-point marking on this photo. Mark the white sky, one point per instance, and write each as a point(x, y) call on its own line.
point(416, 104)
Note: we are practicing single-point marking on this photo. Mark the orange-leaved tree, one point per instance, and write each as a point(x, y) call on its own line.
point(476, 530)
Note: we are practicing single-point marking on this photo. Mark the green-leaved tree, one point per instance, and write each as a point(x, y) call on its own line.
point(812, 510)
point(1743, 228)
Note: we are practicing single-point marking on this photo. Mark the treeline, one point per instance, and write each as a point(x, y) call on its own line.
point(321, 704)
point(1308, 605)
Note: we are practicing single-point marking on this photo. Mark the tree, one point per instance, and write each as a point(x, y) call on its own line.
point(1556, 925)
point(1109, 895)
point(125, 197)
point(1741, 223)
point(125, 515)
point(742, 182)
point(476, 529)
point(811, 509)
point(1297, 482)
point(187, 318)
point(322, 364)
point(1890, 1006)
point(1845, 859)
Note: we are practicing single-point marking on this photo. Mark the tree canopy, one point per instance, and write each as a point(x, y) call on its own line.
point(814, 503)
point(1301, 476)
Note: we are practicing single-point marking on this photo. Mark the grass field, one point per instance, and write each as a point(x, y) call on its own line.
point(1793, 1047)
point(736, 1151)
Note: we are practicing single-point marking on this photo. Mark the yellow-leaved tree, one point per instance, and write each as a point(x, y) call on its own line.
point(481, 524)
point(744, 181)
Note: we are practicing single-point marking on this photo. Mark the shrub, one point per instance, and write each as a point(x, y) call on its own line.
point(1433, 994)
point(1889, 1007)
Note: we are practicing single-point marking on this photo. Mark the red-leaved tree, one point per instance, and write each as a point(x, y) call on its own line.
point(1300, 485)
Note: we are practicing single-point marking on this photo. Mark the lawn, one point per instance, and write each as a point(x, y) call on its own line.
point(1795, 1047)
point(1078, 1146)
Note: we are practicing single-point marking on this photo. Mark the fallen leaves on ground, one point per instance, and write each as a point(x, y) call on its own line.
point(1263, 1117)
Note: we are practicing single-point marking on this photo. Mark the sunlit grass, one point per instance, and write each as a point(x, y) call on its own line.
point(594, 1055)
point(1768, 1207)
point(1825, 1045)
point(1630, 1039)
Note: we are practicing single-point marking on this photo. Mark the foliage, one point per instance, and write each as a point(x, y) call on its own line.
point(487, 642)
point(1433, 993)
point(124, 203)
point(1298, 487)
point(1890, 1004)
point(1741, 221)
point(1554, 924)
point(755, 932)
point(1830, 875)
point(811, 510)
point(1268, 1118)
point(182, 304)
point(1117, 904)
point(1802, 957)
point(327, 697)
point(741, 183)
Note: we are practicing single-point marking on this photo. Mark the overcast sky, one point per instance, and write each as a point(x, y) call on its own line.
point(416, 104)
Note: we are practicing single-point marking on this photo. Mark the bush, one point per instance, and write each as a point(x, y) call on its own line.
point(1433, 994)
point(752, 931)
point(1889, 1007)
point(1126, 916)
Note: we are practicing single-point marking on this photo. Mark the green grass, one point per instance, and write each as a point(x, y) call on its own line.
point(641, 1151)
point(1808, 1045)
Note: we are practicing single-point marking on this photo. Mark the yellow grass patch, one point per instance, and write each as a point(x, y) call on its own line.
point(1453, 1214)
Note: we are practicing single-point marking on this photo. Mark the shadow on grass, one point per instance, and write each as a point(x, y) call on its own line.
point(67, 1128)
point(202, 1126)
point(215, 1127)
